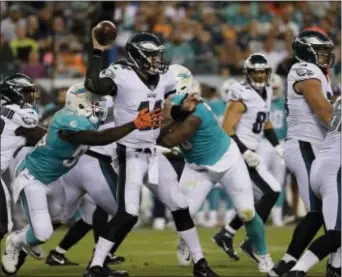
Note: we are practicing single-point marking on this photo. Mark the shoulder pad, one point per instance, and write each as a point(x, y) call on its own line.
point(236, 92)
point(25, 117)
point(305, 71)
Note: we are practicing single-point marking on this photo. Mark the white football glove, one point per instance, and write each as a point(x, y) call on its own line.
point(280, 150)
point(251, 158)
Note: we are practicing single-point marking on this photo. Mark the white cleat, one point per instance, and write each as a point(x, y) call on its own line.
point(159, 223)
point(36, 252)
point(183, 253)
point(265, 264)
point(10, 258)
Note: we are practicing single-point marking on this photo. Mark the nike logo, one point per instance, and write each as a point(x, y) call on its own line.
point(204, 273)
point(58, 260)
point(188, 258)
point(225, 246)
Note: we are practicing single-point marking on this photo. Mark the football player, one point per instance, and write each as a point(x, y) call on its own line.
point(309, 116)
point(325, 181)
point(212, 156)
point(267, 152)
point(71, 131)
point(247, 121)
point(139, 82)
point(18, 123)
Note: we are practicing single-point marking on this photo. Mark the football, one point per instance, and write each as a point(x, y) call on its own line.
point(105, 32)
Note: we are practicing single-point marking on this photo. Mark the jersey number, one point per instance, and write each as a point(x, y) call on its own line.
point(76, 156)
point(259, 123)
point(2, 125)
point(146, 105)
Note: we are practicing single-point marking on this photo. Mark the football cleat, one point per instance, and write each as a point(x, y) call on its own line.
point(265, 264)
point(10, 258)
point(201, 268)
point(225, 241)
point(115, 260)
point(98, 271)
point(281, 268)
point(57, 259)
point(248, 249)
point(35, 252)
point(295, 273)
point(183, 253)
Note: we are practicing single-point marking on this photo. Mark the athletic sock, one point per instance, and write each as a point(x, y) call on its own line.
point(102, 249)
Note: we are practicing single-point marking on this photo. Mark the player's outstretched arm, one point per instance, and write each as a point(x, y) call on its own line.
point(144, 120)
point(312, 91)
point(32, 135)
point(181, 132)
point(102, 84)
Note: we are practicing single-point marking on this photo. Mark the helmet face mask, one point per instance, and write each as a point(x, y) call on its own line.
point(257, 71)
point(145, 52)
point(19, 89)
point(314, 47)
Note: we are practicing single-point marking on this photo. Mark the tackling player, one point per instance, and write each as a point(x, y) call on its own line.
point(69, 133)
point(309, 116)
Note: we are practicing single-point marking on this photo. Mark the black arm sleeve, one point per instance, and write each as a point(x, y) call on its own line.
point(32, 135)
point(178, 114)
point(271, 136)
point(93, 82)
point(102, 137)
point(239, 143)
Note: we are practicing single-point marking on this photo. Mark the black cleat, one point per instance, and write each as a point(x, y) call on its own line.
point(281, 268)
point(224, 240)
point(21, 260)
point(115, 260)
point(332, 271)
point(98, 271)
point(246, 247)
point(57, 259)
point(201, 268)
point(295, 273)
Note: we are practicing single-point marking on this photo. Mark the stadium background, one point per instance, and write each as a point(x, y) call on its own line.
point(50, 42)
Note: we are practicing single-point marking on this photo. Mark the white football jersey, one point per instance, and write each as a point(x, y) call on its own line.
point(250, 128)
point(332, 143)
point(13, 117)
point(132, 96)
point(302, 123)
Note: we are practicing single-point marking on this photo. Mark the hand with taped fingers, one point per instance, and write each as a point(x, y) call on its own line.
point(97, 45)
point(146, 119)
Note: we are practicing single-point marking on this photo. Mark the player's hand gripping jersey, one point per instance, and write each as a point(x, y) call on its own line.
point(12, 117)
point(250, 128)
point(53, 157)
point(210, 141)
point(303, 124)
point(132, 96)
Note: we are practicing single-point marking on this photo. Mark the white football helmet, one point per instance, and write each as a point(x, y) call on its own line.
point(225, 88)
point(183, 77)
point(277, 86)
point(85, 103)
point(196, 86)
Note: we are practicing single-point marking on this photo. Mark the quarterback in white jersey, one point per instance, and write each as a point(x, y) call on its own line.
point(247, 121)
point(18, 121)
point(308, 120)
point(141, 82)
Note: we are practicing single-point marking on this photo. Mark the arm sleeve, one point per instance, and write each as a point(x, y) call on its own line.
point(96, 81)
point(271, 136)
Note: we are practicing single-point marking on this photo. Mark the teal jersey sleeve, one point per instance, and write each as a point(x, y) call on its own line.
point(210, 141)
point(53, 157)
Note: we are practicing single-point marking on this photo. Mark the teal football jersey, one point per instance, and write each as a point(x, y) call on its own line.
point(278, 117)
point(218, 106)
point(53, 157)
point(210, 141)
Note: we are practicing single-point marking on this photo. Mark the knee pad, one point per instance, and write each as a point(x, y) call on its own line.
point(246, 215)
point(43, 232)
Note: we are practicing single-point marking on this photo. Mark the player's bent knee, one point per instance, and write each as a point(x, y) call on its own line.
point(246, 215)
point(44, 232)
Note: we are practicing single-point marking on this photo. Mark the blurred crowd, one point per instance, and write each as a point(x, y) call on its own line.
point(52, 39)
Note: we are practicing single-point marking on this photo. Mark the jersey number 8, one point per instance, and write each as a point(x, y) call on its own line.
point(259, 122)
point(146, 105)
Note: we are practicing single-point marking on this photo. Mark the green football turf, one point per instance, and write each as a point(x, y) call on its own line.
point(152, 253)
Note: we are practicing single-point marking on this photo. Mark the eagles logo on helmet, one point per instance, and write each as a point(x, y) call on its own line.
point(257, 71)
point(145, 52)
point(314, 47)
